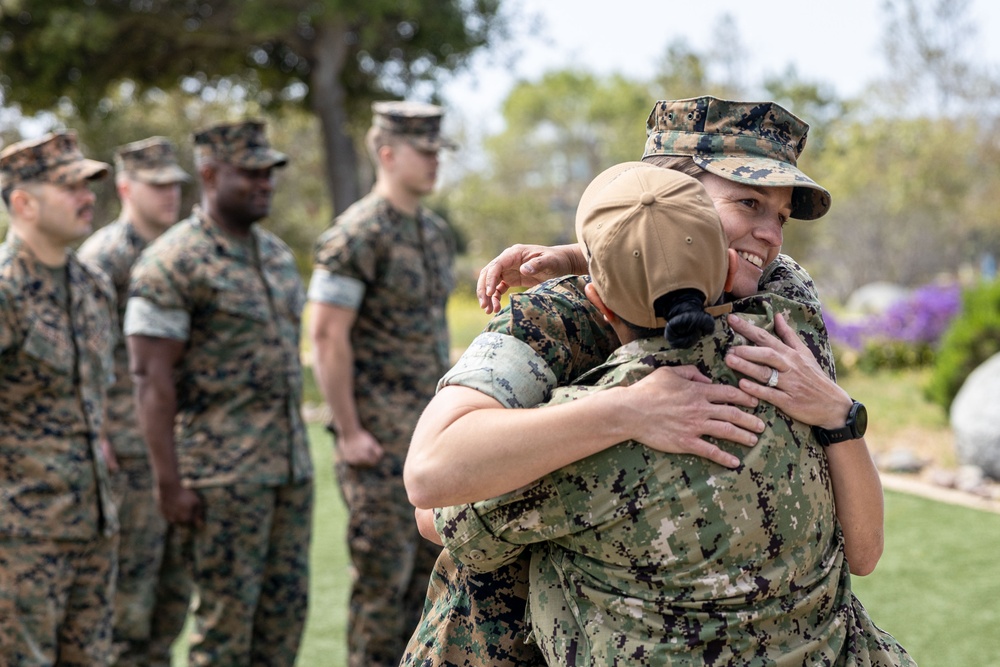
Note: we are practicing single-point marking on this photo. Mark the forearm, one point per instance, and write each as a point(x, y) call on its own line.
point(156, 402)
point(857, 492)
point(466, 447)
point(334, 368)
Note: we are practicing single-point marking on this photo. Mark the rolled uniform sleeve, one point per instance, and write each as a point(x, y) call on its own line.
point(145, 318)
point(545, 338)
point(493, 533)
point(336, 289)
point(504, 368)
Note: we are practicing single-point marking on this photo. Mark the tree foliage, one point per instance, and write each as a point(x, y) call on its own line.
point(560, 132)
point(331, 56)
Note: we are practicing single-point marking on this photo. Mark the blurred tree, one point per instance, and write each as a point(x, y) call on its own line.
point(331, 56)
point(560, 132)
point(930, 49)
point(904, 200)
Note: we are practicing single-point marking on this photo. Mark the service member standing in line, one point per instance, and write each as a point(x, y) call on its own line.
point(213, 324)
point(152, 595)
point(58, 527)
point(381, 280)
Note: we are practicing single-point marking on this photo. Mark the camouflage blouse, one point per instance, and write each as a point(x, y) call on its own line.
point(55, 367)
point(396, 272)
point(238, 305)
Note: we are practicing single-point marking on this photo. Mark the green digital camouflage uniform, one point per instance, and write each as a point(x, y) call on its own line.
point(645, 558)
point(58, 525)
point(239, 435)
point(545, 338)
point(395, 271)
point(152, 596)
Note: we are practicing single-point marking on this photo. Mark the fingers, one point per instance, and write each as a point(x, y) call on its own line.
point(707, 450)
point(688, 373)
point(751, 332)
point(787, 333)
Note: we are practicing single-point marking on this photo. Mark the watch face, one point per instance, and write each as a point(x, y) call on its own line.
point(860, 419)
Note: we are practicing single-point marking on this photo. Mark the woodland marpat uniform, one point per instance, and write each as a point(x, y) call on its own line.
point(239, 436)
point(645, 558)
point(57, 329)
point(396, 272)
point(240, 384)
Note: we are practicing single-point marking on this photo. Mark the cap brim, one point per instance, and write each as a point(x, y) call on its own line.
point(161, 175)
point(435, 144)
point(78, 170)
point(809, 199)
point(262, 159)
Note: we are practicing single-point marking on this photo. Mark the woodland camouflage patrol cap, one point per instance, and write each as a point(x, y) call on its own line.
point(243, 144)
point(151, 160)
point(54, 158)
point(647, 232)
point(417, 122)
point(756, 143)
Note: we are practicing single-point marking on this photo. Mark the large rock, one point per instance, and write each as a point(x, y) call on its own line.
point(875, 298)
point(975, 418)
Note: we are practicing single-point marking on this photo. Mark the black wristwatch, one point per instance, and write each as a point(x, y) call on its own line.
point(857, 424)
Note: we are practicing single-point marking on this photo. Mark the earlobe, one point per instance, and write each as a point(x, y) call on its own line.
point(731, 272)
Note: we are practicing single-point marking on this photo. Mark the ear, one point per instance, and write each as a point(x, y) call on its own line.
point(123, 187)
point(598, 302)
point(386, 156)
point(731, 272)
point(207, 173)
point(23, 204)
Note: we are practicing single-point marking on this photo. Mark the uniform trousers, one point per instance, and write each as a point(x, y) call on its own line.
point(56, 601)
point(249, 563)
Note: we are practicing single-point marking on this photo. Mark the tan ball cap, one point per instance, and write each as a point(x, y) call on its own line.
point(648, 231)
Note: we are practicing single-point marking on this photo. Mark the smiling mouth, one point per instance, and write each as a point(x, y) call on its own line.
point(753, 259)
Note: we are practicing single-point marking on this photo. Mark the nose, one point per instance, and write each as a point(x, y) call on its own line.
point(770, 233)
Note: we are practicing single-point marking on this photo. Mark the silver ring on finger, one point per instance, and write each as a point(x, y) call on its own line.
point(773, 380)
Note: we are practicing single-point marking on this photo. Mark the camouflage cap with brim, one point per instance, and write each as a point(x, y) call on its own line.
point(152, 160)
point(54, 158)
point(417, 122)
point(755, 143)
point(242, 145)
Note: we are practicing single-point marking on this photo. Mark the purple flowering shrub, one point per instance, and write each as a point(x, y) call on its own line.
point(903, 336)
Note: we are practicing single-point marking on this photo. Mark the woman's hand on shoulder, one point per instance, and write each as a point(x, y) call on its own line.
point(523, 265)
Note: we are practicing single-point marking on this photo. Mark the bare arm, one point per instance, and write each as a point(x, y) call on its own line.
point(330, 331)
point(805, 392)
point(468, 447)
point(152, 362)
point(524, 266)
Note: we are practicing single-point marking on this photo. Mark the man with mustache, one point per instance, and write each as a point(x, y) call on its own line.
point(58, 525)
point(212, 324)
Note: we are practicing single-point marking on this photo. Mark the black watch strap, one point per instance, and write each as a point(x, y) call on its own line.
point(857, 424)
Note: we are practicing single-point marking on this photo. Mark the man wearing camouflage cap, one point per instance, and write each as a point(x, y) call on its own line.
point(152, 595)
point(213, 323)
point(646, 558)
point(382, 276)
point(58, 526)
point(550, 334)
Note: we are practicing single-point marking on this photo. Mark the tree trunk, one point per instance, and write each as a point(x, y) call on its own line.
point(328, 97)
